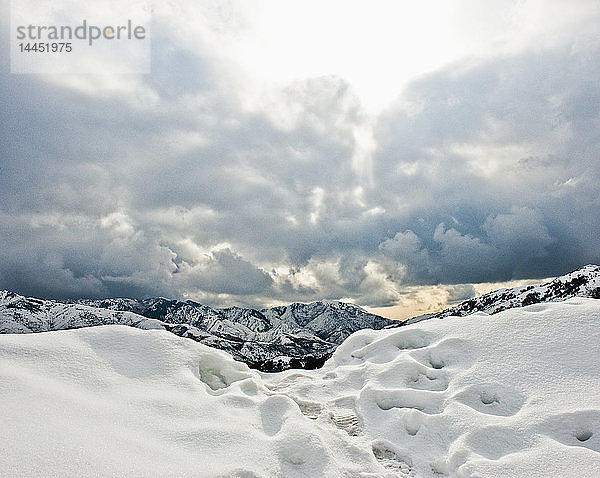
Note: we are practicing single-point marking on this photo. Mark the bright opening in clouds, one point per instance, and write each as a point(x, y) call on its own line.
point(393, 154)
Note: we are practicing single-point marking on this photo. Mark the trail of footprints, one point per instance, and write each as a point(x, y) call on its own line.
point(425, 384)
point(342, 413)
point(425, 367)
point(422, 394)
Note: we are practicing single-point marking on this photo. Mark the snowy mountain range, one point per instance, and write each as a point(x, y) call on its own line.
point(508, 395)
point(294, 336)
point(280, 338)
point(584, 282)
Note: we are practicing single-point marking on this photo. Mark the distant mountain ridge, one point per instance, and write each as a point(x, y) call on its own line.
point(293, 336)
point(320, 318)
point(584, 282)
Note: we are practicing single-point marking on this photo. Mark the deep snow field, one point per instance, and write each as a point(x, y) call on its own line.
point(513, 394)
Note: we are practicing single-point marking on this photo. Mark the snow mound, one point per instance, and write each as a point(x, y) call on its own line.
point(513, 394)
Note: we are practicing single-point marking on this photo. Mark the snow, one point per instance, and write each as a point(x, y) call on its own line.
point(510, 394)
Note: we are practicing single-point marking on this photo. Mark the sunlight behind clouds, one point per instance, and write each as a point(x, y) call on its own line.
point(379, 46)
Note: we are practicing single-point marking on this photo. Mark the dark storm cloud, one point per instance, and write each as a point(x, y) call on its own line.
point(482, 172)
point(499, 164)
point(510, 243)
point(225, 272)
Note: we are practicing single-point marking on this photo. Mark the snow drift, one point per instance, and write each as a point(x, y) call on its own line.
point(513, 394)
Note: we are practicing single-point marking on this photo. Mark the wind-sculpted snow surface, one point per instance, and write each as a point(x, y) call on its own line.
point(509, 395)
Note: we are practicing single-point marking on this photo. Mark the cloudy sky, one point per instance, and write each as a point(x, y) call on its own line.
point(399, 155)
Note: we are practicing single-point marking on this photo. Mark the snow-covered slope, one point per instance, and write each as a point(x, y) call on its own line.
point(296, 336)
point(330, 320)
point(584, 282)
point(509, 395)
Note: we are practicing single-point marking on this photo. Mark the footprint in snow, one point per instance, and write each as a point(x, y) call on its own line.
point(311, 410)
point(392, 459)
point(492, 399)
point(425, 401)
point(388, 348)
point(347, 420)
point(580, 428)
point(273, 413)
point(445, 353)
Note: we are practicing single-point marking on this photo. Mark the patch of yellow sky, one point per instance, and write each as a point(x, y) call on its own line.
point(430, 299)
